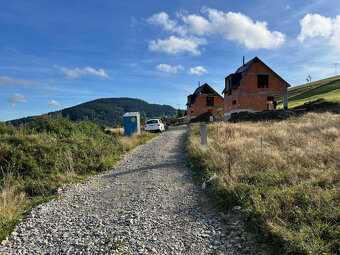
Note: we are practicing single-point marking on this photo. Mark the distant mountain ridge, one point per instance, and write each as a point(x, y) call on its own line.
point(107, 111)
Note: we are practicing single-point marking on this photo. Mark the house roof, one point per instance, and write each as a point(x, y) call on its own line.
point(237, 77)
point(203, 89)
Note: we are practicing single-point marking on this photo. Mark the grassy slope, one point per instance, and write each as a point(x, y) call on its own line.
point(328, 89)
point(35, 159)
point(290, 191)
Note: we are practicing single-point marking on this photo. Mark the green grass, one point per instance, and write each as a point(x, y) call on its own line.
point(35, 159)
point(329, 89)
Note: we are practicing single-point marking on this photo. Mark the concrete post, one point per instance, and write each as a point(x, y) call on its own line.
point(204, 137)
point(285, 101)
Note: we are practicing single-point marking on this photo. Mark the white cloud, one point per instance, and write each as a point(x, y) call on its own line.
point(77, 72)
point(17, 98)
point(335, 39)
point(175, 45)
point(133, 21)
point(6, 81)
point(162, 19)
point(54, 102)
point(197, 24)
point(287, 7)
point(313, 25)
point(232, 26)
point(198, 70)
point(239, 27)
point(99, 72)
point(168, 68)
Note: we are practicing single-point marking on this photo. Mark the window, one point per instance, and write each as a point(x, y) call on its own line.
point(234, 102)
point(152, 121)
point(262, 81)
point(210, 101)
point(227, 84)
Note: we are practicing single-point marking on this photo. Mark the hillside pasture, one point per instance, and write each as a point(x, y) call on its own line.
point(329, 89)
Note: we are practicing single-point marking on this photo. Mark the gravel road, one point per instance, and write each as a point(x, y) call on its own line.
point(147, 204)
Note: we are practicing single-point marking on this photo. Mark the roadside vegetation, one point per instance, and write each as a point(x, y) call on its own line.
point(35, 159)
point(289, 189)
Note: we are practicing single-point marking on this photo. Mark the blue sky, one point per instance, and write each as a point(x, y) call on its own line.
point(56, 54)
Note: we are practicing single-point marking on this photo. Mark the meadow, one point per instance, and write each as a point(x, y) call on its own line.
point(329, 89)
point(37, 158)
point(289, 188)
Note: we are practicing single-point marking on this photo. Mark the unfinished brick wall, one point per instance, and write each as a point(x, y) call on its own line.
point(249, 96)
point(200, 106)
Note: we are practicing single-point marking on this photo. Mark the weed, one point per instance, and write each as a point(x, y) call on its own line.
point(116, 245)
point(228, 231)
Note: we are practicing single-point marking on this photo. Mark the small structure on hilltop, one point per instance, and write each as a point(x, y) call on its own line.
point(253, 87)
point(204, 99)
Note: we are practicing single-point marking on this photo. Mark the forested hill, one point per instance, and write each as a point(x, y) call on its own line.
point(108, 111)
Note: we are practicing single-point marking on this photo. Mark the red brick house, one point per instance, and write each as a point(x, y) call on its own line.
point(253, 87)
point(204, 99)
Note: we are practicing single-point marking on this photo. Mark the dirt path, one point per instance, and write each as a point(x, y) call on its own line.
point(148, 204)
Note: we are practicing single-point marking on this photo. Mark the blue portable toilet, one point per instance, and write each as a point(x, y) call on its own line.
point(131, 123)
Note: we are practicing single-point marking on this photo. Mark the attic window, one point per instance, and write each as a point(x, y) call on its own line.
point(262, 81)
point(227, 84)
point(210, 101)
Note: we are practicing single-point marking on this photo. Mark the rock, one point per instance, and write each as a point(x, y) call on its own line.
point(205, 235)
point(236, 208)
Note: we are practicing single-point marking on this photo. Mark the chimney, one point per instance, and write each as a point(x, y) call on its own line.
point(199, 83)
point(243, 60)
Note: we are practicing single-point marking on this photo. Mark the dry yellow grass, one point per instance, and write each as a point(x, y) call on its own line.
point(119, 130)
point(11, 203)
point(11, 200)
point(130, 142)
point(290, 189)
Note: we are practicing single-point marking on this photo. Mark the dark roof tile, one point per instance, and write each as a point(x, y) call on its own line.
point(237, 77)
point(200, 89)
